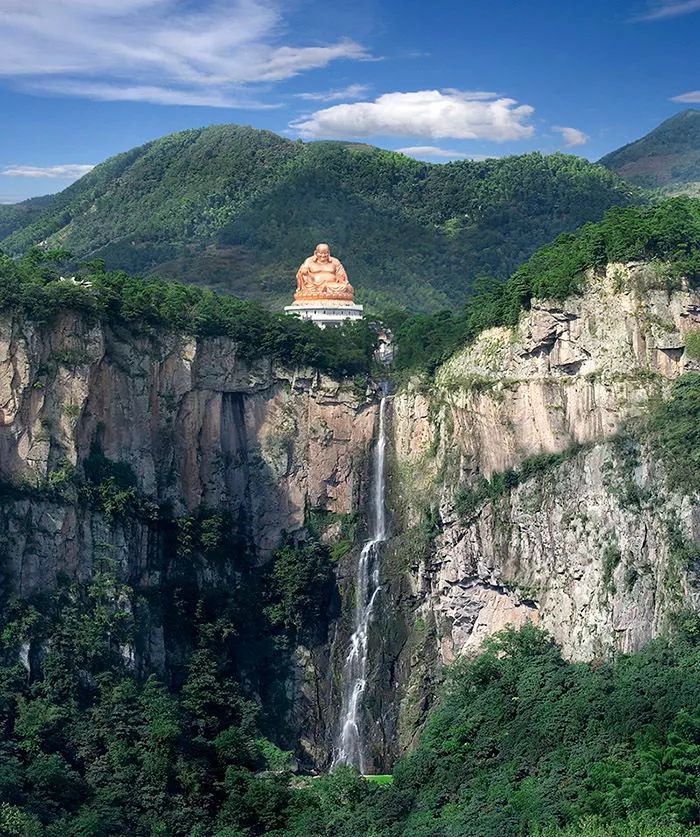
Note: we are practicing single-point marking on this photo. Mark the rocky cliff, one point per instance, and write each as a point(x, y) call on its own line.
point(195, 425)
point(586, 543)
point(165, 432)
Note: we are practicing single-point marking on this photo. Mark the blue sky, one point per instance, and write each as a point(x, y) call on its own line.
point(81, 80)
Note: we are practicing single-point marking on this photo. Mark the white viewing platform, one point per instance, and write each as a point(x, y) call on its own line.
point(325, 314)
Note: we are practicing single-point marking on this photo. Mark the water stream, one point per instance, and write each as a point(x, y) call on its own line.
point(349, 745)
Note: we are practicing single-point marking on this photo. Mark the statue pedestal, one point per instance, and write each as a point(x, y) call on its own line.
point(325, 314)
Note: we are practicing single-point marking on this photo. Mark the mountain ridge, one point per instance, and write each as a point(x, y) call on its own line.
point(237, 209)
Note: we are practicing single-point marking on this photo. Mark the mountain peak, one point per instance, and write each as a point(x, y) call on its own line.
point(666, 158)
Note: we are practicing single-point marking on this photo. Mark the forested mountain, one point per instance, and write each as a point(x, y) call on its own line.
point(238, 209)
point(666, 158)
point(18, 215)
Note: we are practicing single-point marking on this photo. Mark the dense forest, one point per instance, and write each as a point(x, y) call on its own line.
point(667, 233)
point(521, 741)
point(238, 209)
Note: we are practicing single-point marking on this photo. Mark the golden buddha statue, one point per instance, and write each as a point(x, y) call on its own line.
point(322, 278)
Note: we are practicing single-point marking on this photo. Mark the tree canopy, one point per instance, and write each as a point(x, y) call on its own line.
point(37, 287)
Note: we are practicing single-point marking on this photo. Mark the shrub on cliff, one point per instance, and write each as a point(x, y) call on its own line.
point(675, 427)
point(299, 587)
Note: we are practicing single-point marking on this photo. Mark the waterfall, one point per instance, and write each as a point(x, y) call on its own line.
point(349, 743)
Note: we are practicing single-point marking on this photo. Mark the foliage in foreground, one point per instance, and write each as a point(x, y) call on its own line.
point(35, 287)
point(636, 826)
point(522, 743)
point(668, 232)
point(524, 739)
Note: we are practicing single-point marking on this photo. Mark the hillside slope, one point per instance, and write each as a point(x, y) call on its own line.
point(667, 158)
point(238, 209)
point(16, 216)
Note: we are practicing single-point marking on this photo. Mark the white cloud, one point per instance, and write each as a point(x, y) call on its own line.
point(112, 92)
point(160, 51)
point(67, 171)
point(690, 98)
point(424, 113)
point(421, 151)
point(353, 91)
point(661, 9)
point(572, 136)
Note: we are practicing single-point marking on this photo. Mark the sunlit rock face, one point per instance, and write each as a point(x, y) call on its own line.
point(585, 549)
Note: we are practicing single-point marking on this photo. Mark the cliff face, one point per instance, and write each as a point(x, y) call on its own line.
point(569, 373)
point(196, 425)
point(589, 544)
point(196, 430)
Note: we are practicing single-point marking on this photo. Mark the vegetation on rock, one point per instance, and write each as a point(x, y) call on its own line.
point(468, 500)
point(668, 232)
point(675, 429)
point(95, 744)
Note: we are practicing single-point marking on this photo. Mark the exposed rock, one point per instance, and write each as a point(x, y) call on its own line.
point(586, 550)
point(568, 374)
point(197, 425)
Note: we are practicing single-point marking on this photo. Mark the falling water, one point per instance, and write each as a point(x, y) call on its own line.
point(349, 745)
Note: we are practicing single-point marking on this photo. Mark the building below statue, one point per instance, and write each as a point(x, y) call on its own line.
point(324, 295)
point(325, 314)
